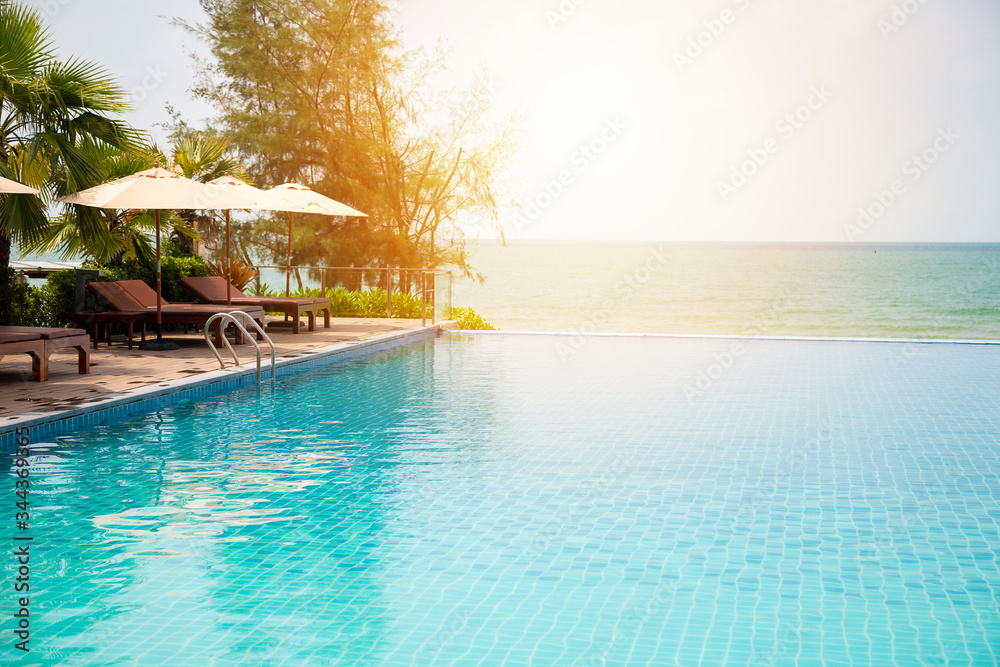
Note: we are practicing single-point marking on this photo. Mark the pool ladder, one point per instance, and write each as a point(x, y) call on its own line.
point(230, 318)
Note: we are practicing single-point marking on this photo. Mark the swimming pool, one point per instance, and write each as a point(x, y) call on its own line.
point(495, 499)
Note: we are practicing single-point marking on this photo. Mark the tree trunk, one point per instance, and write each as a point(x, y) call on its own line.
point(4, 251)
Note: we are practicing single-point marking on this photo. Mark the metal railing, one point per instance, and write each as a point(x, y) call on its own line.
point(236, 359)
point(433, 285)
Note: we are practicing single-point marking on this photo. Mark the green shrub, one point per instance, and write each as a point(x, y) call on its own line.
point(11, 296)
point(263, 290)
point(175, 268)
point(20, 303)
point(371, 303)
point(58, 297)
point(127, 272)
point(469, 320)
point(407, 305)
point(368, 303)
point(342, 303)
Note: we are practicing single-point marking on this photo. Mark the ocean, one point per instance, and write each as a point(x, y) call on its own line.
point(939, 291)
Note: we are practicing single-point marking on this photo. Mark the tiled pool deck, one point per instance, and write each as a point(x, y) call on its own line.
point(120, 375)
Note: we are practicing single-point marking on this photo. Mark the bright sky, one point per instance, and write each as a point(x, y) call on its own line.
point(744, 120)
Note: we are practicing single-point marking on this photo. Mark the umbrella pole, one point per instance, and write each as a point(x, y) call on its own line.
point(159, 287)
point(229, 280)
point(288, 266)
point(159, 343)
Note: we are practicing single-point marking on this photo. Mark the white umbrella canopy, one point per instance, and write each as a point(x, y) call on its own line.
point(15, 188)
point(157, 188)
point(263, 200)
point(303, 200)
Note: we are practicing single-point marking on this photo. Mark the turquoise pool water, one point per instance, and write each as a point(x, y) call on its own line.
point(496, 499)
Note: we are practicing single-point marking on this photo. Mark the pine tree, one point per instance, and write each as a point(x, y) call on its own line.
point(320, 91)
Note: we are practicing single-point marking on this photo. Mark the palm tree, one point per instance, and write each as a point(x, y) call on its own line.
point(53, 115)
point(130, 231)
point(202, 157)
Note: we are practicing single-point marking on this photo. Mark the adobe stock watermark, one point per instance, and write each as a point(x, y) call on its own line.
point(630, 284)
point(786, 128)
point(152, 78)
point(899, 16)
point(913, 170)
point(897, 525)
point(906, 353)
point(725, 360)
point(587, 493)
point(563, 12)
point(976, 628)
point(454, 625)
point(581, 160)
point(713, 29)
point(52, 7)
point(708, 376)
point(629, 626)
point(786, 644)
point(987, 275)
point(784, 479)
point(462, 104)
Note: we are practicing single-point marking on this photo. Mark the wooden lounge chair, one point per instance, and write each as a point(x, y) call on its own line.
point(105, 317)
point(40, 342)
point(135, 295)
point(213, 290)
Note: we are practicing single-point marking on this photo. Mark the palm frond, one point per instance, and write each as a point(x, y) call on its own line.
point(203, 157)
point(81, 84)
point(25, 45)
point(22, 218)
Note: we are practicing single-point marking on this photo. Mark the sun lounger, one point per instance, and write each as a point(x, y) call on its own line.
point(135, 295)
point(127, 317)
point(41, 342)
point(213, 290)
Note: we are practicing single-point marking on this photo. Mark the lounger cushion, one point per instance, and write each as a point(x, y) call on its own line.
point(131, 295)
point(213, 290)
point(116, 296)
point(125, 295)
point(141, 292)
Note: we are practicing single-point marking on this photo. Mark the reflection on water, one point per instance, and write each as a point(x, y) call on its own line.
point(171, 524)
point(200, 499)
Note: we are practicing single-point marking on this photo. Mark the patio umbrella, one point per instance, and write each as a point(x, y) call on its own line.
point(262, 199)
point(157, 189)
point(303, 200)
point(13, 187)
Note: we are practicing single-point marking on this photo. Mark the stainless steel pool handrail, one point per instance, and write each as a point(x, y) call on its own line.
point(236, 359)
